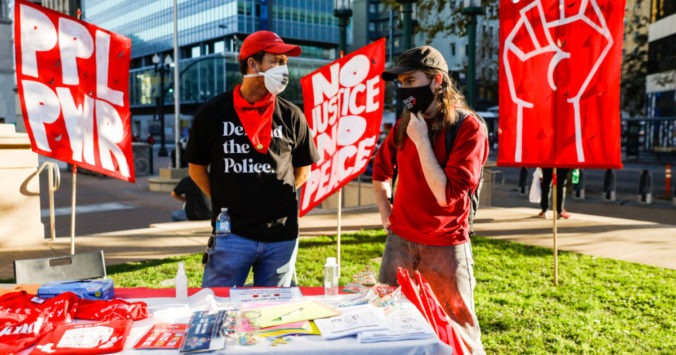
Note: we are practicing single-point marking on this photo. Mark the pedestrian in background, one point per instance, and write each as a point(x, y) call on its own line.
point(545, 183)
point(196, 206)
point(250, 150)
point(428, 227)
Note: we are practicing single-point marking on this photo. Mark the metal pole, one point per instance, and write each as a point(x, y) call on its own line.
point(52, 223)
point(408, 27)
point(160, 106)
point(609, 185)
point(177, 96)
point(523, 180)
point(343, 16)
point(72, 212)
point(342, 42)
point(473, 12)
point(390, 42)
point(471, 61)
point(555, 213)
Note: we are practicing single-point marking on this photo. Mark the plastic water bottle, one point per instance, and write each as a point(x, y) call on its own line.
point(330, 277)
point(223, 222)
point(181, 282)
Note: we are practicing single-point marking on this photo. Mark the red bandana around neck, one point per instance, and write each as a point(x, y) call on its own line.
point(256, 119)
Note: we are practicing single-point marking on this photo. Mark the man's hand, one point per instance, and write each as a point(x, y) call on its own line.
point(301, 174)
point(434, 174)
point(417, 129)
point(382, 192)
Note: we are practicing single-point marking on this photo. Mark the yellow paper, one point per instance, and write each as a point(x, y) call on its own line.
point(294, 312)
point(307, 327)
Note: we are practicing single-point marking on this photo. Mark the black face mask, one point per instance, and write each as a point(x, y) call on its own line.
point(416, 99)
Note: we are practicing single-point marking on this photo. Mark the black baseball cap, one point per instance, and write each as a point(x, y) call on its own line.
point(418, 58)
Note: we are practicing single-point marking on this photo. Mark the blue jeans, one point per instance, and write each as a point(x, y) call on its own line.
point(232, 256)
point(178, 216)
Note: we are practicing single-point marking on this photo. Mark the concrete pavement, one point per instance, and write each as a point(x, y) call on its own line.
point(625, 239)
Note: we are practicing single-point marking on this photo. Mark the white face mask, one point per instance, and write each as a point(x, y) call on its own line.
point(276, 78)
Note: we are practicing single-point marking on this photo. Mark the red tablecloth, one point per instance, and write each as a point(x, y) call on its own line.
point(145, 292)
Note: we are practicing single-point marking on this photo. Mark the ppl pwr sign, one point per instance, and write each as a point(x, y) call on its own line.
point(73, 81)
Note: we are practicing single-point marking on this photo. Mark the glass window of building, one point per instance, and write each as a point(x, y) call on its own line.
point(662, 55)
point(4, 10)
point(211, 32)
point(663, 8)
point(219, 47)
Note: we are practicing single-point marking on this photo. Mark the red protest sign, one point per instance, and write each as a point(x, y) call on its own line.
point(344, 107)
point(560, 83)
point(73, 81)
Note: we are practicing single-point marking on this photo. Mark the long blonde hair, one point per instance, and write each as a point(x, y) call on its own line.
point(447, 98)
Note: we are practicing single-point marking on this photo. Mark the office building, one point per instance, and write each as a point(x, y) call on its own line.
point(373, 20)
point(661, 80)
point(209, 35)
point(10, 111)
point(65, 6)
point(7, 77)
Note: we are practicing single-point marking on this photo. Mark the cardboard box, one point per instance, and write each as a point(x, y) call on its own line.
point(98, 289)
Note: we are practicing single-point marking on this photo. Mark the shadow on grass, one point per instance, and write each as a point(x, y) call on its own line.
point(509, 247)
point(363, 237)
point(139, 265)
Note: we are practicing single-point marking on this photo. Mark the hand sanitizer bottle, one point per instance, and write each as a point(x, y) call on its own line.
point(330, 277)
point(181, 282)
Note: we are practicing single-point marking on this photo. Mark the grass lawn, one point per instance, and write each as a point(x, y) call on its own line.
point(601, 306)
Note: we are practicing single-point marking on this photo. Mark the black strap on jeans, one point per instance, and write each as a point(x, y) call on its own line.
point(210, 244)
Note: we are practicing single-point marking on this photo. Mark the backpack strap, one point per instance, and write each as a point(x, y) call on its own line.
point(451, 133)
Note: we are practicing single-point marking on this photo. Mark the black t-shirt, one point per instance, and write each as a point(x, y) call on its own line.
point(196, 204)
point(258, 189)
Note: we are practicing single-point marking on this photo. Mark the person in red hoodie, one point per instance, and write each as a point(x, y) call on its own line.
point(427, 223)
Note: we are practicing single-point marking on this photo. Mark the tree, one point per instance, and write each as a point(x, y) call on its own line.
point(441, 17)
point(635, 60)
point(455, 25)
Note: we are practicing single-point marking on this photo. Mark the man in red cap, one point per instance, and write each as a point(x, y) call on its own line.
point(250, 150)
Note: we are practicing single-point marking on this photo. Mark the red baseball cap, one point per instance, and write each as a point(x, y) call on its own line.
point(266, 41)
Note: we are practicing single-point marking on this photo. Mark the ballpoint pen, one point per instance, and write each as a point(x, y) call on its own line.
point(281, 317)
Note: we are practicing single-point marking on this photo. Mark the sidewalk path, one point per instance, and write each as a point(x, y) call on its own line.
point(648, 243)
point(630, 240)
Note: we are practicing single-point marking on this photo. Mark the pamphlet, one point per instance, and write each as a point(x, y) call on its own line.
point(204, 332)
point(294, 312)
point(162, 336)
point(241, 296)
point(405, 323)
point(351, 321)
point(307, 327)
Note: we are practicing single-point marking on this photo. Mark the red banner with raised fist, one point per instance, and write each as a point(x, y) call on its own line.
point(344, 107)
point(73, 81)
point(560, 83)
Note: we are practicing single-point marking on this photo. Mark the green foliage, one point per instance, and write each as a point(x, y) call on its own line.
point(456, 24)
point(601, 306)
point(635, 61)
